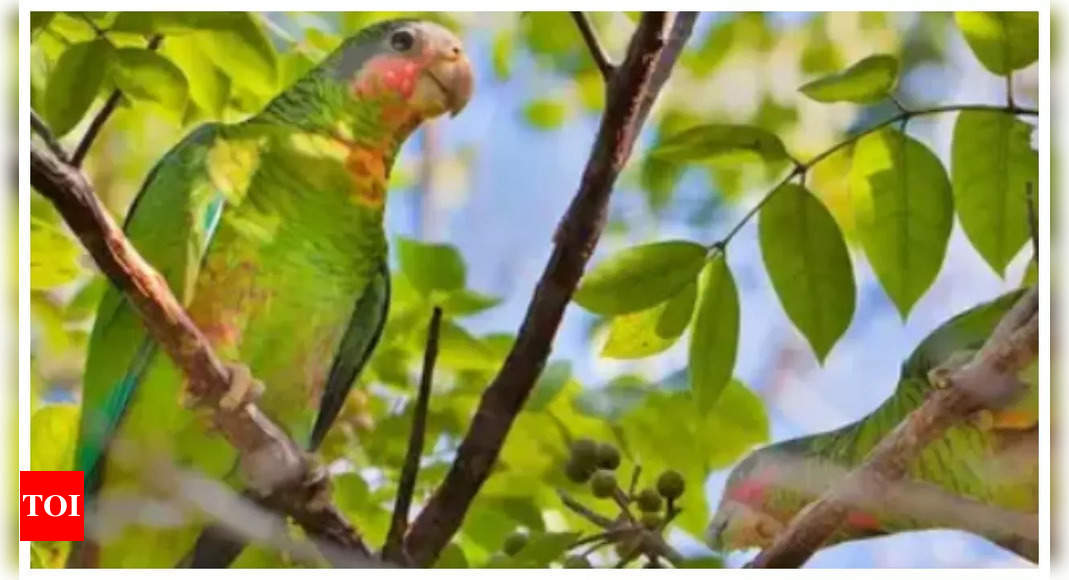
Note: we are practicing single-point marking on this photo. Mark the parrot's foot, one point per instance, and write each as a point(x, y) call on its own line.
point(984, 420)
point(939, 377)
point(244, 389)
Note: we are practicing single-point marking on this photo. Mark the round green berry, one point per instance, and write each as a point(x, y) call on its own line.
point(603, 483)
point(670, 484)
point(648, 500)
point(584, 452)
point(651, 520)
point(576, 561)
point(577, 472)
point(608, 457)
point(514, 542)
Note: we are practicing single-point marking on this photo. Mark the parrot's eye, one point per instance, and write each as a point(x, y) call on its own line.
point(402, 40)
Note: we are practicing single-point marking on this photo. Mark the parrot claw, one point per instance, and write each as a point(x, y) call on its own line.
point(984, 420)
point(244, 389)
point(939, 377)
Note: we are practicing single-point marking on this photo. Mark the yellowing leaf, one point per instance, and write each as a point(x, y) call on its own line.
point(866, 81)
point(904, 212)
point(545, 113)
point(640, 277)
point(807, 260)
point(53, 256)
point(75, 82)
point(53, 434)
point(992, 163)
point(715, 335)
point(647, 332)
point(722, 143)
point(1002, 41)
point(209, 88)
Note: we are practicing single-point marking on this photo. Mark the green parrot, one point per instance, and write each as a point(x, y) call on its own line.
point(981, 476)
point(270, 231)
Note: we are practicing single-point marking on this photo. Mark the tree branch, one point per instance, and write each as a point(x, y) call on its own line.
point(393, 550)
point(271, 463)
point(574, 242)
point(102, 116)
point(597, 51)
point(988, 380)
point(38, 125)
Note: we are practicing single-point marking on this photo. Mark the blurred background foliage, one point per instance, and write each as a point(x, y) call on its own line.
point(535, 80)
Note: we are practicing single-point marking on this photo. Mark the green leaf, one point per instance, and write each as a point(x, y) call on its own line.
point(53, 256)
point(53, 431)
point(866, 81)
point(39, 20)
point(209, 87)
point(75, 82)
point(502, 54)
point(722, 143)
point(431, 267)
point(541, 549)
point(451, 557)
point(545, 113)
point(715, 335)
point(1002, 41)
point(904, 212)
point(142, 74)
point(549, 385)
point(807, 260)
point(234, 41)
point(640, 277)
point(464, 302)
point(992, 161)
point(459, 350)
point(239, 47)
point(647, 332)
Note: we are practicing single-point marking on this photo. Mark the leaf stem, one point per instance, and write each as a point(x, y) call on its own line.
point(904, 116)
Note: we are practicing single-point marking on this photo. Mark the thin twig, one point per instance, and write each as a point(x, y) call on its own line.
point(905, 116)
point(102, 116)
point(635, 473)
point(622, 500)
point(597, 51)
point(575, 240)
point(393, 550)
point(41, 128)
point(583, 511)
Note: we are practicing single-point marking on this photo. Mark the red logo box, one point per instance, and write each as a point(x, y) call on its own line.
point(51, 506)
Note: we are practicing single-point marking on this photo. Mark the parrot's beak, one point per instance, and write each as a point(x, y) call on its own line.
point(446, 82)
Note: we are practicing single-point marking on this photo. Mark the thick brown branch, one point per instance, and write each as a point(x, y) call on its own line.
point(988, 380)
point(102, 116)
point(271, 463)
point(575, 240)
point(597, 51)
point(393, 550)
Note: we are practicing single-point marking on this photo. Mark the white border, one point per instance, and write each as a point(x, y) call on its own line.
point(468, 5)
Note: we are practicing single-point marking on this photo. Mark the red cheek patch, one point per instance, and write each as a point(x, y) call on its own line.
point(748, 492)
point(386, 73)
point(862, 521)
